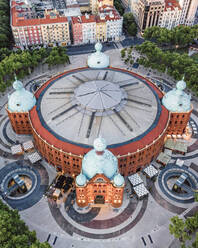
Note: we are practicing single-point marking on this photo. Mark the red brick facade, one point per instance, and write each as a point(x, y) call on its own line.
point(20, 122)
point(132, 156)
point(99, 190)
point(178, 122)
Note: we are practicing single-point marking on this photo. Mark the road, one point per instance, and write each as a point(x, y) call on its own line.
point(89, 48)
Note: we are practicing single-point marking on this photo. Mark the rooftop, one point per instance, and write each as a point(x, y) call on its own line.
point(108, 14)
point(116, 107)
point(172, 5)
point(24, 21)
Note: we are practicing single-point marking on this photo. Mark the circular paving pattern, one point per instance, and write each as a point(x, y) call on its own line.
point(39, 183)
point(88, 222)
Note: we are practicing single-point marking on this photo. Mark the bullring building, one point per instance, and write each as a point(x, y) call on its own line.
point(71, 110)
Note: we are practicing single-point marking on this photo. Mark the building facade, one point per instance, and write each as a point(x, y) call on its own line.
point(76, 24)
point(52, 29)
point(19, 104)
point(189, 8)
point(28, 114)
point(88, 28)
point(178, 103)
point(107, 25)
point(99, 181)
point(101, 28)
point(171, 15)
point(114, 24)
point(149, 13)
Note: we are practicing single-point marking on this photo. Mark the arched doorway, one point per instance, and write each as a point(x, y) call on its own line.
point(99, 199)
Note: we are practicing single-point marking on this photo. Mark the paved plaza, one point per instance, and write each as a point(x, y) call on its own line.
point(137, 223)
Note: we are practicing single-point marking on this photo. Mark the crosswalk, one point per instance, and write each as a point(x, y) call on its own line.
point(118, 45)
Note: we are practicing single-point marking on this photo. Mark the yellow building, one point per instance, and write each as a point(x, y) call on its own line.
point(55, 29)
point(101, 28)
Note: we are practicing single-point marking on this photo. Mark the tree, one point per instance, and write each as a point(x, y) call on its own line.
point(177, 228)
point(195, 243)
point(196, 197)
point(5, 31)
point(132, 30)
point(119, 7)
point(131, 62)
point(180, 36)
point(123, 53)
point(13, 231)
point(130, 24)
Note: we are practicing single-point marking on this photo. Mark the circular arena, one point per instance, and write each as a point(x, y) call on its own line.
point(78, 106)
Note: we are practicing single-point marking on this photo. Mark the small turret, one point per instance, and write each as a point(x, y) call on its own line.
point(20, 100)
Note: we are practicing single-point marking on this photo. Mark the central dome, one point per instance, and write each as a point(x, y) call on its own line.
point(98, 95)
point(111, 103)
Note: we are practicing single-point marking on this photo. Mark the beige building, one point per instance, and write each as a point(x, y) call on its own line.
point(191, 12)
point(149, 13)
point(101, 28)
point(55, 32)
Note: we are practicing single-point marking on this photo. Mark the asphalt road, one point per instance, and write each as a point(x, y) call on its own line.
point(89, 48)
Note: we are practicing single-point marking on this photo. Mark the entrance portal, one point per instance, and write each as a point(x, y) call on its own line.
point(99, 199)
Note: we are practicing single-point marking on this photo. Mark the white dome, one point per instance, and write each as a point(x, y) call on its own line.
point(81, 180)
point(98, 59)
point(21, 100)
point(118, 180)
point(105, 163)
point(177, 100)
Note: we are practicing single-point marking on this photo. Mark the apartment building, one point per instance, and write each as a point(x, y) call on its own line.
point(76, 25)
point(149, 13)
point(191, 13)
point(114, 25)
point(88, 28)
point(46, 25)
point(101, 28)
point(52, 29)
point(170, 17)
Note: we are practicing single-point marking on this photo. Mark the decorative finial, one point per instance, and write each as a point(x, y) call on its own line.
point(100, 144)
point(181, 85)
point(17, 85)
point(98, 47)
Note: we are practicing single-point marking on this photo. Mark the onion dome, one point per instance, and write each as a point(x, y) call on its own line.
point(118, 180)
point(20, 100)
point(98, 59)
point(105, 163)
point(177, 100)
point(81, 180)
